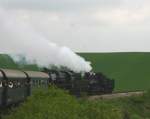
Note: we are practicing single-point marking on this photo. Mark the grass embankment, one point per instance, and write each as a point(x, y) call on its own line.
point(57, 104)
point(131, 71)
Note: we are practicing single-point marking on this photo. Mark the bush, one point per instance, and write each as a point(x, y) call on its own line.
point(45, 104)
point(57, 104)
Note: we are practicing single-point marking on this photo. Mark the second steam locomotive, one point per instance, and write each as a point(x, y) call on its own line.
point(16, 85)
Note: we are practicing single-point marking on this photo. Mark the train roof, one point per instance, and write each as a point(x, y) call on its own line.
point(37, 74)
point(11, 73)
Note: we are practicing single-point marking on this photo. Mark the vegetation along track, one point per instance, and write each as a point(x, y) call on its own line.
point(116, 95)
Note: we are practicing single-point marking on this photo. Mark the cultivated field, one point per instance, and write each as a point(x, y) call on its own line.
point(130, 70)
point(7, 62)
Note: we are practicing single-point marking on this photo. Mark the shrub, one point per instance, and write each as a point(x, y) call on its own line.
point(58, 104)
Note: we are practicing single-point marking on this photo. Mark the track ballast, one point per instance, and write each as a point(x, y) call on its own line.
point(116, 95)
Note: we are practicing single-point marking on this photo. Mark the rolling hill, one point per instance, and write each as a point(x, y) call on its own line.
point(131, 71)
point(7, 62)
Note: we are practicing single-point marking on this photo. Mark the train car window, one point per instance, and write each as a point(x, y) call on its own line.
point(18, 84)
point(39, 82)
point(4, 83)
point(14, 84)
point(23, 82)
point(42, 82)
point(32, 82)
point(28, 82)
point(36, 82)
point(10, 84)
point(1, 84)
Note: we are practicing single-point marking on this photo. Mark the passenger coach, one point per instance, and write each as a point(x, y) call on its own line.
point(16, 85)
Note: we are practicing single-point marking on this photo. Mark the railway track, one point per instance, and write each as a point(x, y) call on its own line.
point(116, 95)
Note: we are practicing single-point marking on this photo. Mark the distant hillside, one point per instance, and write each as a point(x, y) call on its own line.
point(130, 70)
point(7, 62)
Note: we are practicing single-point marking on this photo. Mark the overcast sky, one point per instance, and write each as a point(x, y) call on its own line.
point(87, 25)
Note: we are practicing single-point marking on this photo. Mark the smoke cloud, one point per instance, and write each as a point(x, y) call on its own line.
point(20, 37)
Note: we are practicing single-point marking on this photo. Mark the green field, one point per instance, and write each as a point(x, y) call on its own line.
point(131, 71)
point(7, 62)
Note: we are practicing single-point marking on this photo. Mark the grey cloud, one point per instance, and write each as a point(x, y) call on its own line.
point(117, 25)
point(57, 4)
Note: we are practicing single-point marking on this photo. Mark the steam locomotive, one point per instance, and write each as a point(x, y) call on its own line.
point(16, 85)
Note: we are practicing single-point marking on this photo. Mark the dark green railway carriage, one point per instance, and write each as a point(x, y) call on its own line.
point(37, 79)
point(16, 85)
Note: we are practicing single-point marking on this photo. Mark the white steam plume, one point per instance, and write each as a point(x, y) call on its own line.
point(19, 37)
